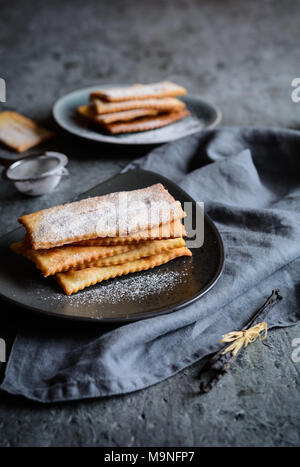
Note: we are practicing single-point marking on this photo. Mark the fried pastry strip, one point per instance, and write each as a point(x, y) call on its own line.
point(66, 257)
point(174, 229)
point(165, 104)
point(140, 91)
point(115, 214)
point(141, 250)
point(146, 123)
point(73, 281)
point(127, 115)
point(21, 133)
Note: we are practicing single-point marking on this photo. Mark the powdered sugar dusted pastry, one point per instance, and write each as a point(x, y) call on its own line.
point(21, 133)
point(140, 91)
point(115, 214)
point(164, 104)
point(173, 229)
point(73, 281)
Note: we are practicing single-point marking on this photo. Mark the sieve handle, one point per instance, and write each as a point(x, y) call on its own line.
point(7, 162)
point(64, 171)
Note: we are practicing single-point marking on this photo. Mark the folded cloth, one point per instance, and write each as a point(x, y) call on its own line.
point(249, 180)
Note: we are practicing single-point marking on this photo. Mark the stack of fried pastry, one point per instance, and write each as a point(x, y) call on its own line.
point(95, 239)
point(135, 108)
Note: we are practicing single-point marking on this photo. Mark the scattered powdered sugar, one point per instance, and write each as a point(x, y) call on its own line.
point(128, 289)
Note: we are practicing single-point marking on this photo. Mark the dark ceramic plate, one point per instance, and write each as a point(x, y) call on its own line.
point(203, 115)
point(140, 295)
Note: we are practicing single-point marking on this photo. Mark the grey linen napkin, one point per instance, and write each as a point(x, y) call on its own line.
point(249, 180)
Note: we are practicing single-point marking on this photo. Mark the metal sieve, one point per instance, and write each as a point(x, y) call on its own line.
point(38, 174)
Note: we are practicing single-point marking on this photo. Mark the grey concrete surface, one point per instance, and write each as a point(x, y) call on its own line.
point(239, 55)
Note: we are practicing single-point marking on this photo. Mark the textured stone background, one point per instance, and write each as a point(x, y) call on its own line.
point(242, 56)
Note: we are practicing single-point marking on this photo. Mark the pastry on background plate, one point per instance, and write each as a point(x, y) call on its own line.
point(137, 108)
point(146, 123)
point(164, 104)
point(140, 91)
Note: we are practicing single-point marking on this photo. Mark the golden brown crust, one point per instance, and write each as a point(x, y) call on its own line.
point(73, 281)
point(165, 104)
point(87, 111)
point(66, 257)
point(21, 133)
point(127, 115)
point(147, 123)
point(116, 214)
point(174, 229)
point(140, 91)
point(141, 250)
